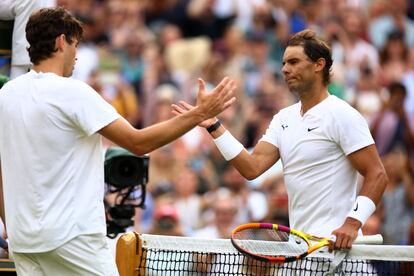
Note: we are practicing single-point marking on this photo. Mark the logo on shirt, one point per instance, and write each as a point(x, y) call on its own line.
point(356, 207)
point(284, 126)
point(313, 128)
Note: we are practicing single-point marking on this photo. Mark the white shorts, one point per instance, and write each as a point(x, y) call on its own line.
point(83, 255)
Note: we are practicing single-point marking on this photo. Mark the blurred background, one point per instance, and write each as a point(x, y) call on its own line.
point(144, 55)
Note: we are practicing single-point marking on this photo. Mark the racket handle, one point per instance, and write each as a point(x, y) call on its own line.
point(369, 239)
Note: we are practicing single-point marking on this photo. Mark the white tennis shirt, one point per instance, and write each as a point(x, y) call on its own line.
point(52, 160)
point(320, 180)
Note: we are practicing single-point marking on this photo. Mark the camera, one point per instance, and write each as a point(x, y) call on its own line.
point(123, 169)
point(126, 176)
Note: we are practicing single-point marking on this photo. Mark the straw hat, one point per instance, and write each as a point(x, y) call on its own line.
point(188, 54)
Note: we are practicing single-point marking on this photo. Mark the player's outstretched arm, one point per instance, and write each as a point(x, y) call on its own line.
point(142, 141)
point(368, 163)
point(249, 165)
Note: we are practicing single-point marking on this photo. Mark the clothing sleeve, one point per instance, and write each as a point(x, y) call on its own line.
point(89, 111)
point(351, 130)
point(272, 132)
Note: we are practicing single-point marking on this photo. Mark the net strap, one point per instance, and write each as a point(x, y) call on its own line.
point(337, 261)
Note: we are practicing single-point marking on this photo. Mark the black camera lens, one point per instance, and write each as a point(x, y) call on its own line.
point(127, 168)
point(126, 171)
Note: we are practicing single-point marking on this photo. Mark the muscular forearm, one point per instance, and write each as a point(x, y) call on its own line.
point(162, 133)
point(242, 161)
point(142, 141)
point(367, 200)
point(370, 195)
point(249, 165)
point(368, 163)
point(246, 165)
point(374, 185)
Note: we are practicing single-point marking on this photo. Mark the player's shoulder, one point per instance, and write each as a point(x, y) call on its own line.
point(73, 83)
point(339, 106)
point(341, 111)
point(16, 82)
point(5, 87)
point(14, 86)
point(72, 86)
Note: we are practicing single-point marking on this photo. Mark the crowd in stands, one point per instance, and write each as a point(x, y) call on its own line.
point(144, 55)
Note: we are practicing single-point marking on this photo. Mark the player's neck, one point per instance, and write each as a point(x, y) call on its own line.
point(309, 100)
point(51, 65)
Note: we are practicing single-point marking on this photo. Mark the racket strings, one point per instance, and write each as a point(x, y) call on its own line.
point(270, 242)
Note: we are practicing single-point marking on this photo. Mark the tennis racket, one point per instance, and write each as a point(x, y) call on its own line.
point(280, 244)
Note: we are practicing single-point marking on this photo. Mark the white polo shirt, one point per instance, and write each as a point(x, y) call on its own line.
point(320, 180)
point(52, 160)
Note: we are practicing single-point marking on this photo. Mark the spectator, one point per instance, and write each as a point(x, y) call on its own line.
point(224, 208)
point(394, 18)
point(373, 225)
point(87, 55)
point(408, 81)
point(393, 58)
point(188, 203)
point(110, 85)
point(257, 65)
point(165, 218)
point(398, 199)
point(252, 204)
point(19, 11)
point(392, 127)
point(277, 200)
point(131, 59)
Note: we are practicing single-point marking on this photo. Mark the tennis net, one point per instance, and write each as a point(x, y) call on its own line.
point(143, 254)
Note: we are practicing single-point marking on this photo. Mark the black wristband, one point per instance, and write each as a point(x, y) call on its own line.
point(214, 126)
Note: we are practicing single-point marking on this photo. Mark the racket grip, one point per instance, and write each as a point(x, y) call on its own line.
point(369, 239)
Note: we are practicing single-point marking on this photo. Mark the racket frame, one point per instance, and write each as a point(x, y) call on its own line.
point(320, 242)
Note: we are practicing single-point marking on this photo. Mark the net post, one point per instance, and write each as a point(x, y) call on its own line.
point(128, 254)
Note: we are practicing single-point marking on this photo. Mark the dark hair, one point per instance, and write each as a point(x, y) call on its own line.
point(394, 36)
point(44, 26)
point(395, 87)
point(315, 49)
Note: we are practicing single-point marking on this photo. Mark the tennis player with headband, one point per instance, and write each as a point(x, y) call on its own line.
point(322, 142)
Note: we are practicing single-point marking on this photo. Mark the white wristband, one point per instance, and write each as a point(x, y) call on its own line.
point(362, 209)
point(228, 145)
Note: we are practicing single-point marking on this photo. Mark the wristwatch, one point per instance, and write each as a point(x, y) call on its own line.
point(214, 126)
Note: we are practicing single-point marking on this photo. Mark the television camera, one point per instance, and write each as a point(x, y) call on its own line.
point(126, 176)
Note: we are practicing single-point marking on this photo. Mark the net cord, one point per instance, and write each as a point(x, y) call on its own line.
point(358, 251)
